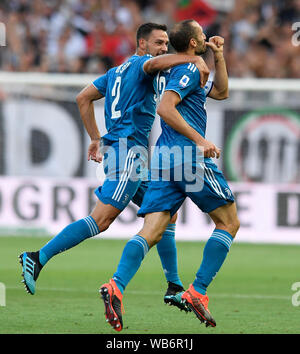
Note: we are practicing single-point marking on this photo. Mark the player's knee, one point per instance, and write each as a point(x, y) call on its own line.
point(154, 226)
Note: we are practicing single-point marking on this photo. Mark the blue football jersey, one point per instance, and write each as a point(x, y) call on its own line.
point(170, 147)
point(185, 81)
point(129, 100)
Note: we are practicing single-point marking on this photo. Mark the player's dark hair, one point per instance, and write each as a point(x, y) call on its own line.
point(181, 35)
point(145, 30)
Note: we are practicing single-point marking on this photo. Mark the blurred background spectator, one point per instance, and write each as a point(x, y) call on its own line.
point(90, 36)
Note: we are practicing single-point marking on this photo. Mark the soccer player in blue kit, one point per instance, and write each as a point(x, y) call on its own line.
point(130, 91)
point(183, 125)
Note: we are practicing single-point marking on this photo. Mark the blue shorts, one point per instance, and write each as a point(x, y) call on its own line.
point(125, 172)
point(165, 195)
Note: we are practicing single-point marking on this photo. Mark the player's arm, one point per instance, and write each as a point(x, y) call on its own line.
point(168, 112)
point(85, 104)
point(167, 61)
point(220, 89)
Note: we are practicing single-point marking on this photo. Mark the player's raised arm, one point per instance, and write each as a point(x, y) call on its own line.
point(166, 61)
point(220, 89)
point(204, 71)
point(168, 112)
point(85, 104)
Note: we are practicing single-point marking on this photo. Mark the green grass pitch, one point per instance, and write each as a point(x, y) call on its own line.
point(252, 293)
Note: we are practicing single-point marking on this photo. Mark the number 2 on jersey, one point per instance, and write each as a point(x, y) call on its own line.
point(116, 93)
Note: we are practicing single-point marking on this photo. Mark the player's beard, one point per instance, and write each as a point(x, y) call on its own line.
point(201, 48)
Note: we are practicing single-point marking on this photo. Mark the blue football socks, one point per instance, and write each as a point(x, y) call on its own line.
point(167, 251)
point(69, 237)
point(214, 254)
point(131, 259)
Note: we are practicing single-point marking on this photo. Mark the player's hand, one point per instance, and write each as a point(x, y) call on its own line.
point(94, 151)
point(203, 69)
point(209, 149)
point(216, 44)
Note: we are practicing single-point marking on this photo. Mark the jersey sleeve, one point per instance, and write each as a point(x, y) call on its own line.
point(142, 61)
point(101, 83)
point(208, 87)
point(184, 80)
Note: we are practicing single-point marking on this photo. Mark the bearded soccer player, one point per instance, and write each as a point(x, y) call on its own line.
point(182, 109)
point(130, 91)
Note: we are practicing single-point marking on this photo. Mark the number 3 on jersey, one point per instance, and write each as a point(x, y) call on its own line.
point(116, 93)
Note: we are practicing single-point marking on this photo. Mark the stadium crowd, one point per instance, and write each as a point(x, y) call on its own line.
point(90, 36)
